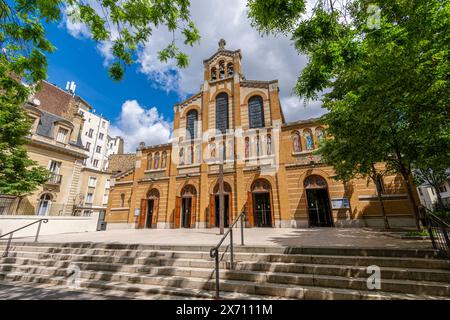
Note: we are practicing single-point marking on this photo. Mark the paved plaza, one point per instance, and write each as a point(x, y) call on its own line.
point(321, 237)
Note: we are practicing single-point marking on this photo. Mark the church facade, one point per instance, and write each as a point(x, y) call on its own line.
point(269, 167)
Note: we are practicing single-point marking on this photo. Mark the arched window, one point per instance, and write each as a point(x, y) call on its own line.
point(230, 69)
point(221, 70)
point(222, 112)
point(213, 73)
point(45, 203)
point(308, 139)
point(149, 161)
point(296, 145)
point(191, 124)
point(122, 200)
point(269, 144)
point(164, 160)
point(156, 160)
point(181, 156)
point(256, 112)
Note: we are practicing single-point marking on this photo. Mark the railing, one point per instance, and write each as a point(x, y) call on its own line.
point(439, 234)
point(5, 253)
point(214, 252)
point(54, 178)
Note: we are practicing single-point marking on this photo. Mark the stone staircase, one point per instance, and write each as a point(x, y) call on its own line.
point(186, 272)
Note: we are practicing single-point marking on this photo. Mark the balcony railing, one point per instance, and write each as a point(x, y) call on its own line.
point(54, 178)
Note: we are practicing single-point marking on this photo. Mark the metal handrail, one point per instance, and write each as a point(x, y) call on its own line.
point(439, 234)
point(5, 253)
point(214, 252)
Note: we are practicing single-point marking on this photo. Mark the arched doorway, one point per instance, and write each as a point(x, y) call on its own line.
point(319, 209)
point(45, 204)
point(149, 210)
point(260, 204)
point(185, 210)
point(214, 206)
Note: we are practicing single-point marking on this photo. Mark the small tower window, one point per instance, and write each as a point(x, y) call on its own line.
point(230, 70)
point(221, 70)
point(213, 73)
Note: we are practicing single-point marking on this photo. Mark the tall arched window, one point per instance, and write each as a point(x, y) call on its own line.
point(256, 112)
point(222, 112)
point(213, 73)
point(45, 203)
point(230, 69)
point(156, 166)
point(164, 160)
point(191, 124)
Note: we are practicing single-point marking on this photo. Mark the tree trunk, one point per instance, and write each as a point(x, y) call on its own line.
point(382, 208)
point(412, 201)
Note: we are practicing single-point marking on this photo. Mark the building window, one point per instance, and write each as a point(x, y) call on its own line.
point(62, 134)
point(222, 112)
point(420, 191)
point(45, 203)
point(164, 160)
point(149, 161)
point(89, 197)
point(105, 199)
point(90, 133)
point(88, 146)
point(98, 149)
point(92, 182)
point(122, 200)
point(442, 188)
point(256, 112)
point(191, 124)
point(95, 163)
point(54, 167)
point(157, 160)
point(309, 140)
point(296, 146)
point(100, 136)
point(107, 184)
point(103, 124)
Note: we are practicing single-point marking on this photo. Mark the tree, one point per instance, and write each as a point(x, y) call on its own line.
point(126, 24)
point(388, 62)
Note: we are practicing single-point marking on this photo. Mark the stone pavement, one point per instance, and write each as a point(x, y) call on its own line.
point(321, 237)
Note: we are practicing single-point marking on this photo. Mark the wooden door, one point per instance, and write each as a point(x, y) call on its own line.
point(143, 213)
point(212, 211)
point(250, 209)
point(177, 213)
point(155, 211)
point(193, 211)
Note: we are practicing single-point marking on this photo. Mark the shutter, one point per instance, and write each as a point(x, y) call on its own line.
point(222, 112)
point(256, 112)
point(212, 211)
point(177, 213)
point(250, 209)
point(141, 219)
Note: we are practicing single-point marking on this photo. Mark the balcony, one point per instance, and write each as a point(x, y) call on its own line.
point(54, 178)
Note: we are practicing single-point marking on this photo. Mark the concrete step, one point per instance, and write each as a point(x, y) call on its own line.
point(139, 256)
point(152, 274)
point(261, 291)
point(352, 251)
point(332, 270)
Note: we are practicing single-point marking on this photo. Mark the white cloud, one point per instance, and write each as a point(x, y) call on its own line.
point(75, 28)
point(264, 57)
point(137, 123)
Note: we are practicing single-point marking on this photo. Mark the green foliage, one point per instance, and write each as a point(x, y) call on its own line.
point(126, 24)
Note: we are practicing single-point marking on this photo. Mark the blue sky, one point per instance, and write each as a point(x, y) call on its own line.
point(79, 60)
point(140, 107)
